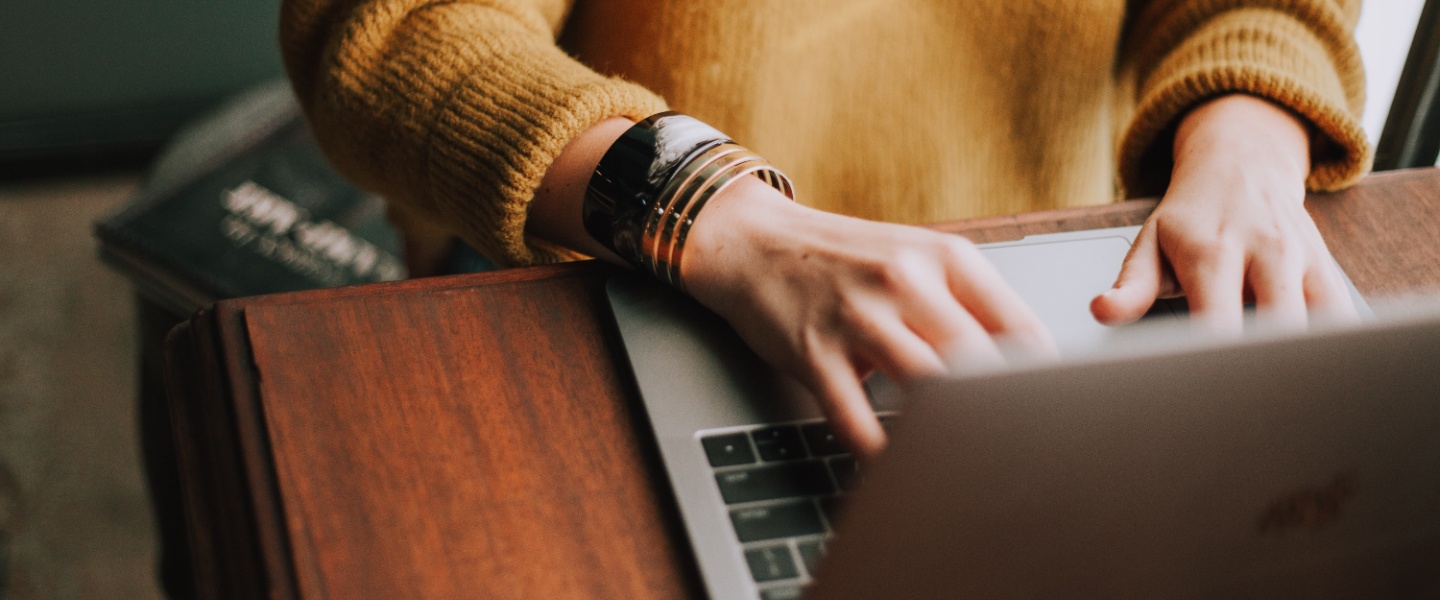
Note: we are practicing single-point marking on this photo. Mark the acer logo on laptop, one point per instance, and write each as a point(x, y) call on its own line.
point(1309, 508)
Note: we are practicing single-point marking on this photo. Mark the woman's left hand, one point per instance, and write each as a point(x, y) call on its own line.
point(1232, 226)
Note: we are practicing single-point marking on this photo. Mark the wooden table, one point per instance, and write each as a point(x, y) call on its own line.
point(479, 435)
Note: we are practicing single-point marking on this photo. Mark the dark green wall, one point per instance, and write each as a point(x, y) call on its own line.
point(98, 72)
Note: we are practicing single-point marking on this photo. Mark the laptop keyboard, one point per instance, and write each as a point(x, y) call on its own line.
point(782, 486)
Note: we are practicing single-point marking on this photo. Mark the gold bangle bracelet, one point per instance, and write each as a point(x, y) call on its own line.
point(683, 205)
point(673, 197)
point(759, 168)
point(646, 193)
point(717, 172)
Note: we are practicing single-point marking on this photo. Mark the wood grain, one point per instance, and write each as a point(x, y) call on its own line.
point(529, 486)
point(478, 436)
point(1385, 233)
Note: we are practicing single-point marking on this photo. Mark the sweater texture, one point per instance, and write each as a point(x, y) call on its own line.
point(914, 111)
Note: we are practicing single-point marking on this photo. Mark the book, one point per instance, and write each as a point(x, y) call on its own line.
point(243, 204)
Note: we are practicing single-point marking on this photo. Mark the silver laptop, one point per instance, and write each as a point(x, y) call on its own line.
point(1282, 467)
point(758, 477)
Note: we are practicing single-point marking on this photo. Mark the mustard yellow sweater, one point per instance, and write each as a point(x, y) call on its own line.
point(912, 111)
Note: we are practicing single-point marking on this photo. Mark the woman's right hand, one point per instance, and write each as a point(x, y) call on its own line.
point(828, 298)
point(823, 297)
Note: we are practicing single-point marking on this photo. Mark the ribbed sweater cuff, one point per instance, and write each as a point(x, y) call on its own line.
point(501, 131)
point(1260, 52)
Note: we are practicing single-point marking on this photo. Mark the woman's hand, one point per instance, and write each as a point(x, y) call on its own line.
point(823, 297)
point(1232, 226)
point(828, 298)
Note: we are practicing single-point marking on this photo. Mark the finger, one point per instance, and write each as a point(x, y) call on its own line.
point(937, 317)
point(993, 304)
point(980, 353)
point(842, 397)
point(1138, 284)
point(1278, 286)
point(1327, 294)
point(1214, 289)
point(897, 351)
point(972, 349)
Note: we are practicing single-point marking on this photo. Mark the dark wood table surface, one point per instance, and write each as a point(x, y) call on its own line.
point(479, 436)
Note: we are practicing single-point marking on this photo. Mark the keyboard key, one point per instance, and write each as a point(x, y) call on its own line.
point(847, 472)
point(810, 553)
point(771, 563)
point(728, 450)
point(774, 522)
point(773, 482)
point(779, 443)
point(782, 593)
point(822, 440)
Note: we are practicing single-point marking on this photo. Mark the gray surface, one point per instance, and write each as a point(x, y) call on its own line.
point(696, 374)
point(73, 509)
point(1087, 261)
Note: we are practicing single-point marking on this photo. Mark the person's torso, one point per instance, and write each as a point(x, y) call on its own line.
point(913, 111)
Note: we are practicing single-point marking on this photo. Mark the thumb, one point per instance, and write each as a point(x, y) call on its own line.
point(1138, 285)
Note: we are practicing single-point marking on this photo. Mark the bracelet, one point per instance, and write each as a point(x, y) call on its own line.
point(650, 186)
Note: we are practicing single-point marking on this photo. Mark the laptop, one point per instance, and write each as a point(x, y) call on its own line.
point(757, 475)
point(1288, 466)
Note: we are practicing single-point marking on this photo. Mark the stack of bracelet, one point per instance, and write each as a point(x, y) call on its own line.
point(652, 184)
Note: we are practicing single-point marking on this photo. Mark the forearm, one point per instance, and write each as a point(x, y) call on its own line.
point(740, 210)
point(555, 211)
point(453, 109)
point(1300, 55)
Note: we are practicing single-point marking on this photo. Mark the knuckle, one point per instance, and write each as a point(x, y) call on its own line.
point(1195, 251)
point(1272, 243)
point(853, 324)
point(1198, 249)
point(956, 250)
point(847, 315)
point(901, 271)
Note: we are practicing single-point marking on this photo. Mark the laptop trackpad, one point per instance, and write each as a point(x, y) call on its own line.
point(1058, 280)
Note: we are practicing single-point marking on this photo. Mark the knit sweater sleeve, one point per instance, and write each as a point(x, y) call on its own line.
point(453, 109)
point(1300, 54)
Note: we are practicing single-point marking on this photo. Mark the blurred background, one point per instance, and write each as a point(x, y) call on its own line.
point(89, 91)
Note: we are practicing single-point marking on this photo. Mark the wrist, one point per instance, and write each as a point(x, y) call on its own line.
point(555, 212)
point(744, 220)
point(1242, 133)
point(651, 186)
